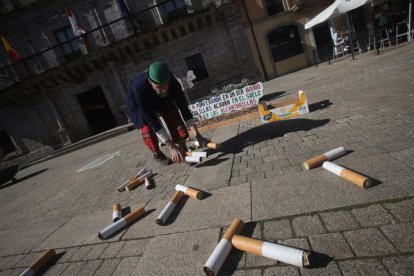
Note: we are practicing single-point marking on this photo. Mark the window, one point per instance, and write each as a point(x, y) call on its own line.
point(196, 63)
point(284, 42)
point(65, 35)
point(175, 9)
point(274, 6)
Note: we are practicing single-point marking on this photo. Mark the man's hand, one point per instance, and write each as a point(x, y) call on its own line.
point(177, 154)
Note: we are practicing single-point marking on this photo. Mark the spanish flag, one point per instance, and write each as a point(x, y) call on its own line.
point(12, 53)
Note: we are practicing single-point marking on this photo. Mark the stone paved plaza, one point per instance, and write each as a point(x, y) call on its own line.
point(365, 105)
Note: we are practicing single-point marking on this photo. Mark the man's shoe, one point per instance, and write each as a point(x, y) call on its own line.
point(162, 159)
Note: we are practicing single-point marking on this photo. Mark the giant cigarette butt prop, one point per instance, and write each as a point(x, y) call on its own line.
point(37, 265)
point(116, 212)
point(147, 183)
point(166, 212)
point(273, 251)
point(114, 227)
point(202, 154)
point(327, 156)
point(351, 176)
point(138, 181)
point(209, 145)
point(191, 192)
point(137, 177)
point(222, 250)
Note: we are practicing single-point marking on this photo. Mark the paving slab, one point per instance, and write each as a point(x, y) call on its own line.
point(217, 210)
point(178, 254)
point(215, 171)
point(25, 239)
point(80, 230)
point(401, 265)
point(405, 156)
point(318, 189)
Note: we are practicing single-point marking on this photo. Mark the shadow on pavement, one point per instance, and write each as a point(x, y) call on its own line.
point(262, 133)
point(13, 182)
point(271, 96)
point(176, 211)
point(319, 105)
point(50, 264)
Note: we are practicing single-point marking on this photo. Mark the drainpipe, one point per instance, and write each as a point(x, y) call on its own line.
point(255, 42)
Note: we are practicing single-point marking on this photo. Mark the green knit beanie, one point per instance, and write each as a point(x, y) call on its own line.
point(159, 72)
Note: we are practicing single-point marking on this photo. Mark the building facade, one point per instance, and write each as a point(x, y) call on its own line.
point(62, 81)
point(78, 83)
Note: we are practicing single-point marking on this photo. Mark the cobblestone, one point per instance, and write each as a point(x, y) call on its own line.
point(401, 235)
point(307, 225)
point(90, 267)
point(126, 266)
point(332, 244)
point(277, 230)
point(339, 221)
point(362, 267)
point(284, 270)
point(403, 210)
point(369, 242)
point(373, 215)
point(401, 265)
point(107, 267)
point(112, 250)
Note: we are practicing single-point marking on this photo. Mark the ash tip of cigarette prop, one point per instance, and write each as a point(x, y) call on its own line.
point(208, 271)
point(100, 236)
point(369, 183)
point(159, 222)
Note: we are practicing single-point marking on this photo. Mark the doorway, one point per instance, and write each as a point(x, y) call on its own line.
point(323, 40)
point(6, 143)
point(96, 110)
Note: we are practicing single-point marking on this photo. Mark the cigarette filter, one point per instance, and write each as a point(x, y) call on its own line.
point(116, 212)
point(209, 145)
point(133, 179)
point(222, 250)
point(202, 154)
point(273, 251)
point(133, 184)
point(147, 182)
point(116, 226)
point(191, 192)
point(351, 176)
point(318, 160)
point(193, 159)
point(166, 212)
point(37, 265)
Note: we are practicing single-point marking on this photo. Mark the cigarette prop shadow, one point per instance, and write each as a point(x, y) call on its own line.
point(15, 181)
point(319, 105)
point(236, 256)
point(176, 211)
point(147, 213)
point(262, 133)
point(51, 263)
point(271, 96)
point(125, 211)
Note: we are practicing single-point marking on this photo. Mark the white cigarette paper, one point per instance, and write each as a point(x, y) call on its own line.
point(192, 159)
point(222, 250)
point(202, 154)
point(116, 226)
point(147, 183)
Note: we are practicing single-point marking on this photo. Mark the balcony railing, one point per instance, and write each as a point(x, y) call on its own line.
point(94, 40)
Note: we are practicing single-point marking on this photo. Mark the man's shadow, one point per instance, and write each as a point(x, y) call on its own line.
point(259, 134)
